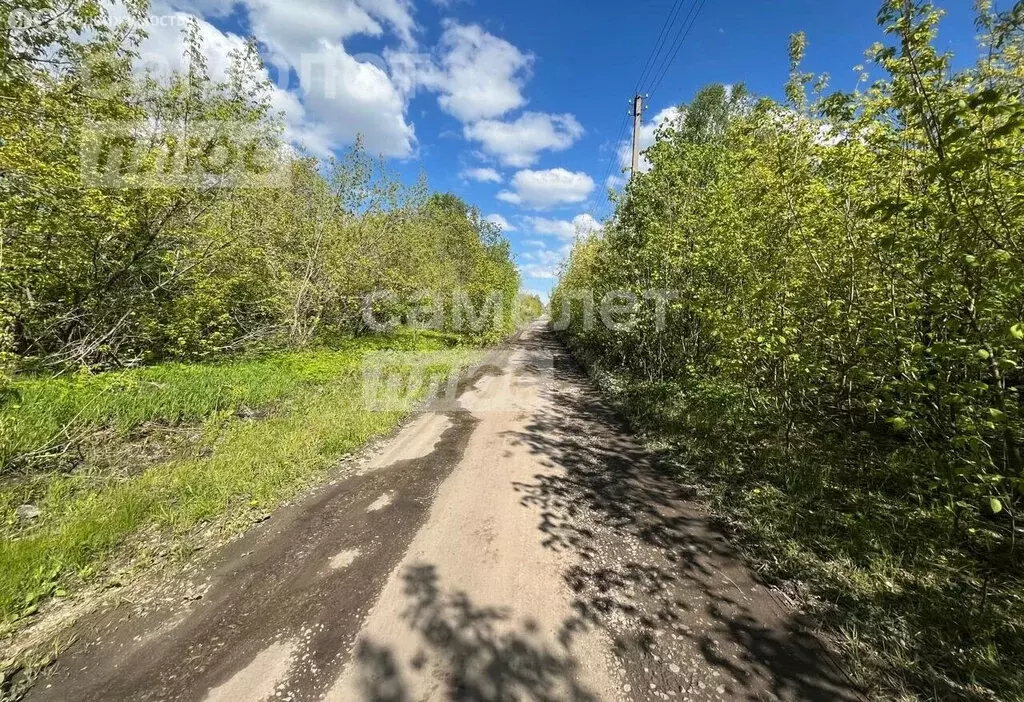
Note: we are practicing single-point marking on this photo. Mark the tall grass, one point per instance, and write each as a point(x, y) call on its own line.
point(832, 518)
point(314, 415)
point(45, 415)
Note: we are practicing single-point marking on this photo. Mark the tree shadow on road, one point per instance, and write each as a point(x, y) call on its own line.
point(484, 654)
point(652, 570)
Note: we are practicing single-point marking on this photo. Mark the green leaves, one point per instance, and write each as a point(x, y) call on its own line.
point(854, 266)
point(849, 276)
point(145, 269)
point(993, 506)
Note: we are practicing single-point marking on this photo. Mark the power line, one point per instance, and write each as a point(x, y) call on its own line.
point(659, 42)
point(615, 149)
point(692, 18)
point(669, 58)
point(652, 59)
point(662, 61)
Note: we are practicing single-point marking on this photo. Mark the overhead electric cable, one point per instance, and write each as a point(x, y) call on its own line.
point(659, 60)
point(695, 13)
point(659, 43)
point(615, 146)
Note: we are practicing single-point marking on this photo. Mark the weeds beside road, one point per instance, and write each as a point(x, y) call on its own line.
point(93, 462)
point(822, 516)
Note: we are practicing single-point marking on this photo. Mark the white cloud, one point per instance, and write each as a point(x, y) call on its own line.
point(614, 182)
point(480, 78)
point(478, 75)
point(300, 129)
point(482, 175)
point(500, 221)
point(519, 143)
point(163, 52)
point(348, 97)
point(544, 263)
point(356, 98)
point(561, 228)
point(290, 31)
point(338, 96)
point(564, 228)
point(397, 13)
point(647, 138)
point(586, 224)
point(539, 271)
point(544, 189)
point(485, 73)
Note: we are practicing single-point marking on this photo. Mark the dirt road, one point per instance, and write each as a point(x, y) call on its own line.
point(516, 544)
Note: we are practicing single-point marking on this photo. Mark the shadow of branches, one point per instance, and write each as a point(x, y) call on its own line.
point(485, 655)
point(684, 614)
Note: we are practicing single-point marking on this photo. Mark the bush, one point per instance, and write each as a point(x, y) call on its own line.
point(844, 352)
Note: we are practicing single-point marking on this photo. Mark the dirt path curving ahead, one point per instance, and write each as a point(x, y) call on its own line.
point(514, 544)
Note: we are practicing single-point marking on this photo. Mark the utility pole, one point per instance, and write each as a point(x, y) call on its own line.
point(638, 111)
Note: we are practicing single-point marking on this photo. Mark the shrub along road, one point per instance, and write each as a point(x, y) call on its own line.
point(515, 543)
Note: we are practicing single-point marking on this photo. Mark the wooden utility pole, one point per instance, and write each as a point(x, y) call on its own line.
point(638, 111)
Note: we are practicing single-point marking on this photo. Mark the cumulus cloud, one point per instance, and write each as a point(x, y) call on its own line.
point(349, 97)
point(356, 98)
point(539, 271)
point(648, 130)
point(519, 143)
point(163, 52)
point(586, 224)
point(545, 189)
point(481, 175)
point(479, 79)
point(477, 75)
point(290, 31)
point(568, 229)
point(543, 263)
point(561, 228)
point(500, 221)
point(546, 268)
point(338, 97)
point(614, 182)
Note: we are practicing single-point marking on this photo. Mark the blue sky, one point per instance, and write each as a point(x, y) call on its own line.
point(516, 106)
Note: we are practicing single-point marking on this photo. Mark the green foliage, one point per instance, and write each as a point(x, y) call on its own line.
point(45, 417)
point(125, 285)
point(311, 412)
point(529, 308)
point(850, 288)
point(169, 263)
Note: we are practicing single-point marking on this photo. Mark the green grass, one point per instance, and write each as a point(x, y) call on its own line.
point(923, 606)
point(312, 414)
point(46, 414)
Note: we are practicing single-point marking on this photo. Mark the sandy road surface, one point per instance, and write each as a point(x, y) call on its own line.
point(514, 544)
